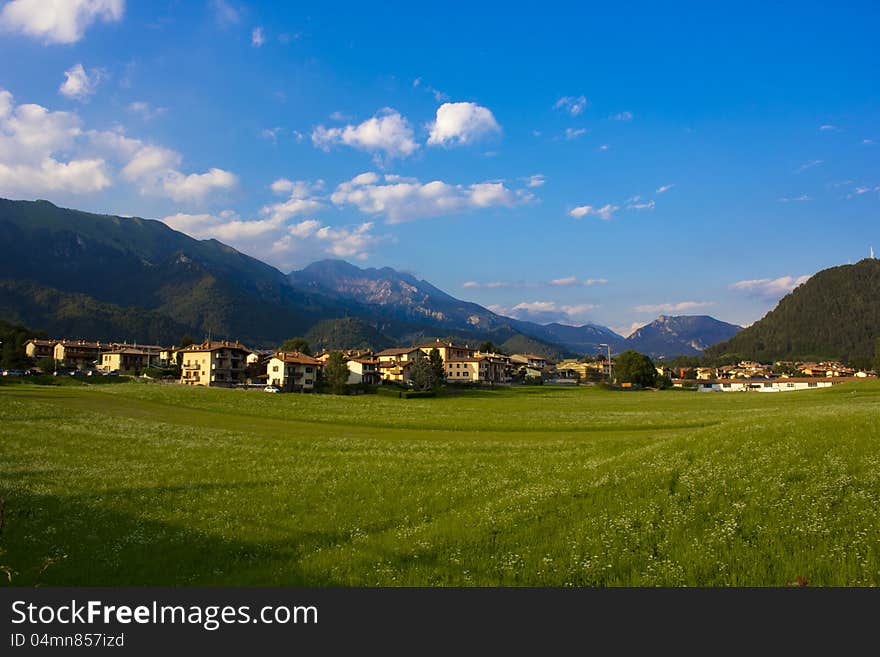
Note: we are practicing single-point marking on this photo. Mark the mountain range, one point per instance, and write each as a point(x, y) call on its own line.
point(77, 274)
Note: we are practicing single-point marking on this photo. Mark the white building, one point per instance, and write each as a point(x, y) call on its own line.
point(768, 385)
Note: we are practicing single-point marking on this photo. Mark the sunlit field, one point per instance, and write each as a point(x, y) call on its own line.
point(147, 484)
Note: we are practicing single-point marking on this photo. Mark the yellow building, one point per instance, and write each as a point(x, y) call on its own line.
point(293, 371)
point(448, 350)
point(79, 353)
point(37, 348)
point(129, 359)
point(220, 364)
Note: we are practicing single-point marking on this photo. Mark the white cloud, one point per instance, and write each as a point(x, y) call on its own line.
point(154, 169)
point(795, 199)
point(79, 84)
point(574, 105)
point(665, 188)
point(58, 21)
point(34, 152)
point(770, 289)
point(461, 123)
point(673, 307)
point(623, 116)
point(302, 199)
point(387, 133)
point(641, 205)
point(605, 213)
point(557, 282)
point(439, 96)
point(545, 311)
point(536, 180)
point(867, 141)
point(224, 13)
point(77, 176)
point(627, 331)
point(407, 199)
point(145, 110)
point(808, 165)
point(279, 241)
point(195, 187)
point(574, 133)
point(257, 37)
point(604, 147)
point(41, 150)
point(829, 128)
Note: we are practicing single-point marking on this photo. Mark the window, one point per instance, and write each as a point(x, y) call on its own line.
point(274, 368)
point(308, 382)
point(789, 385)
point(725, 385)
point(812, 384)
point(308, 370)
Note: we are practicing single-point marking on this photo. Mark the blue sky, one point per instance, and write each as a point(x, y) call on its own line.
point(556, 162)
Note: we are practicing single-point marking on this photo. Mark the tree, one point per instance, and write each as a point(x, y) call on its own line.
point(633, 367)
point(877, 357)
point(488, 347)
point(422, 374)
point(187, 340)
point(436, 362)
point(296, 344)
point(336, 372)
point(12, 346)
point(46, 365)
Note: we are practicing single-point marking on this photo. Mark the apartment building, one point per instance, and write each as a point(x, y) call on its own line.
point(292, 371)
point(216, 364)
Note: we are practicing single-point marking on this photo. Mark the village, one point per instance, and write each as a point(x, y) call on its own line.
point(230, 364)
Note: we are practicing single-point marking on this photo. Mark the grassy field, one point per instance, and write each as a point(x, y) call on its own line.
point(151, 484)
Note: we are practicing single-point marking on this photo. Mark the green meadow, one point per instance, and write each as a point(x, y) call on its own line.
point(148, 484)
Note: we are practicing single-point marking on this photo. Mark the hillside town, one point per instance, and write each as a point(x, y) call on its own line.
point(230, 364)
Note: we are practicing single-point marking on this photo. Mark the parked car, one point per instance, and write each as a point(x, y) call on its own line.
point(13, 372)
point(271, 389)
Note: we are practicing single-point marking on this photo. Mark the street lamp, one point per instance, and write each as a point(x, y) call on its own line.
point(609, 360)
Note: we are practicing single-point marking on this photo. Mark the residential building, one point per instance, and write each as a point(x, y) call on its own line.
point(220, 364)
point(768, 385)
point(364, 370)
point(293, 371)
point(80, 354)
point(128, 359)
point(448, 350)
point(531, 360)
point(37, 348)
point(394, 364)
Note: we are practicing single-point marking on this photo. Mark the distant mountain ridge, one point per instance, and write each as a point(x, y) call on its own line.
point(78, 274)
point(682, 335)
point(401, 297)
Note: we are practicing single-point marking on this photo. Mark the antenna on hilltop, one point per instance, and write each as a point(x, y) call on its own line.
point(872, 253)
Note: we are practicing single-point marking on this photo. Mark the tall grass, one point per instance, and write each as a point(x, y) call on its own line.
point(151, 484)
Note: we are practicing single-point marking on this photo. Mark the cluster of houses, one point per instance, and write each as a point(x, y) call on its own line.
point(231, 364)
point(778, 377)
